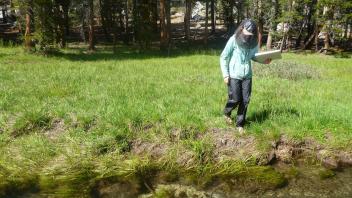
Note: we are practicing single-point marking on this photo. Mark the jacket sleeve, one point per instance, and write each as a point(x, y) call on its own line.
point(225, 57)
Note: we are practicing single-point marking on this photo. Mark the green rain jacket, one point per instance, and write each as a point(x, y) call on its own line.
point(235, 62)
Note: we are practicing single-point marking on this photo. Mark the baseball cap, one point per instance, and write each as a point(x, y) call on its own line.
point(249, 27)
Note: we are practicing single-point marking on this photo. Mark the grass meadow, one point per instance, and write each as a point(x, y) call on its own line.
point(68, 119)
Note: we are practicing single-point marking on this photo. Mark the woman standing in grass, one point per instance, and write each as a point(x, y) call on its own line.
point(235, 62)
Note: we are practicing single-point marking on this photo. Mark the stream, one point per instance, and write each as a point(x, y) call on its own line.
point(311, 181)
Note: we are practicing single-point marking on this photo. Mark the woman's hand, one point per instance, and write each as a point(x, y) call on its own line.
point(267, 61)
point(226, 80)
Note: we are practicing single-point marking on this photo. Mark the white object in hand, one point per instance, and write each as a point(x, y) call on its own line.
point(263, 56)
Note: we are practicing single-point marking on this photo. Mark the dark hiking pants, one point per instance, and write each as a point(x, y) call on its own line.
point(239, 95)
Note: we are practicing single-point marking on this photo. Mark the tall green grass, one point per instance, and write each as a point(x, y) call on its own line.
point(107, 100)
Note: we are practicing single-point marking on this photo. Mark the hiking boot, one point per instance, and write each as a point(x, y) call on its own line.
point(228, 119)
point(240, 130)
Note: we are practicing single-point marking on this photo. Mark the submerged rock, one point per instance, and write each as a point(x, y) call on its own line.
point(345, 159)
point(176, 191)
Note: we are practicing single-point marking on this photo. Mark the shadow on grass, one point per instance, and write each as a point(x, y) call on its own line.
point(261, 116)
point(108, 52)
point(332, 52)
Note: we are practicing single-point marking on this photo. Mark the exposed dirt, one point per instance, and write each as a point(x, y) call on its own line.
point(228, 144)
point(287, 150)
point(152, 149)
point(57, 128)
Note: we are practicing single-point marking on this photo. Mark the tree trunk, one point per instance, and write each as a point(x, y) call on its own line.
point(283, 42)
point(27, 35)
point(114, 20)
point(273, 23)
point(299, 38)
point(206, 22)
point(306, 44)
point(239, 12)
point(103, 10)
point(270, 40)
point(163, 30)
point(67, 19)
point(260, 22)
point(345, 34)
point(82, 30)
point(168, 21)
point(327, 25)
point(187, 19)
point(62, 28)
point(4, 19)
point(231, 22)
point(126, 37)
point(260, 33)
point(135, 20)
point(316, 38)
point(13, 12)
point(326, 41)
point(212, 16)
point(155, 15)
point(310, 21)
point(121, 21)
point(91, 26)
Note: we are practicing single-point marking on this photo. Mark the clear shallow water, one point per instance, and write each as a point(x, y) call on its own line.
point(308, 183)
point(302, 182)
point(313, 182)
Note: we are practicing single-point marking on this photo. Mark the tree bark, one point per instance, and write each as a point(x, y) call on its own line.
point(126, 32)
point(62, 28)
point(91, 26)
point(163, 33)
point(239, 7)
point(155, 15)
point(28, 32)
point(327, 25)
point(260, 33)
point(212, 16)
point(121, 21)
point(310, 21)
point(27, 35)
point(299, 38)
point(231, 19)
point(4, 19)
point(187, 20)
point(82, 30)
point(66, 19)
point(103, 10)
point(316, 38)
point(326, 41)
point(168, 21)
point(206, 22)
point(260, 22)
point(273, 23)
point(345, 34)
point(306, 44)
point(135, 20)
point(283, 42)
point(270, 40)
point(13, 12)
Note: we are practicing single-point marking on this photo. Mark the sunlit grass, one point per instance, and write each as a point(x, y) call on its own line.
point(106, 100)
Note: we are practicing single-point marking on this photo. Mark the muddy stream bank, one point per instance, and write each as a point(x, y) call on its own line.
point(286, 168)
